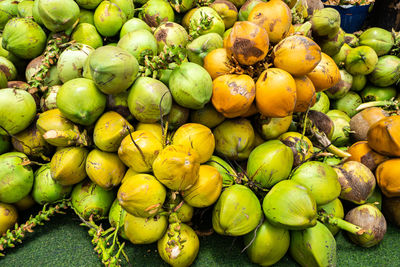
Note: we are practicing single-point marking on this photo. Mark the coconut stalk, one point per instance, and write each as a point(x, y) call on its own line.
point(101, 242)
point(326, 143)
point(205, 24)
point(200, 3)
point(342, 224)
point(170, 57)
point(12, 237)
point(175, 242)
point(386, 104)
point(299, 11)
point(51, 54)
point(396, 48)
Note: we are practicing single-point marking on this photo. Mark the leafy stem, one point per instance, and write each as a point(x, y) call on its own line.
point(101, 241)
point(11, 237)
point(196, 27)
point(50, 56)
point(168, 58)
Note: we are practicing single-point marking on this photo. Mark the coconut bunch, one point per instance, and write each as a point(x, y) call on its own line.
point(143, 117)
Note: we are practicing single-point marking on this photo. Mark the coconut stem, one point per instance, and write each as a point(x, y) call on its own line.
point(342, 224)
point(101, 242)
point(200, 3)
point(50, 56)
point(299, 12)
point(175, 242)
point(382, 103)
point(203, 25)
point(169, 58)
point(11, 237)
point(303, 29)
point(325, 142)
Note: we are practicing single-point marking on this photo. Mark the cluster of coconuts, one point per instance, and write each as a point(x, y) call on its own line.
point(127, 140)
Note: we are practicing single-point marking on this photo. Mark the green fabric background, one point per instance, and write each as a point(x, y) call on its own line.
point(62, 242)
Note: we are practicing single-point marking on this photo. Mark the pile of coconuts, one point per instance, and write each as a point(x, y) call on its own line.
point(140, 114)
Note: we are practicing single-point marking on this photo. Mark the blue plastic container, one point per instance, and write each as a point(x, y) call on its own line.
point(351, 17)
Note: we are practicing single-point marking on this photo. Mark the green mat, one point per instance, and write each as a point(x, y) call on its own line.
point(62, 242)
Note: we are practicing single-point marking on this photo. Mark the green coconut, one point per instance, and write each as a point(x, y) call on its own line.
point(342, 87)
point(132, 25)
point(177, 116)
point(145, 230)
point(270, 163)
point(86, 16)
point(127, 6)
point(341, 132)
point(199, 48)
point(378, 39)
point(348, 103)
point(58, 15)
point(340, 56)
point(386, 72)
point(6, 12)
point(234, 139)
point(246, 8)
point(141, 195)
point(8, 68)
point(175, 253)
point(117, 73)
point(359, 82)
point(320, 178)
point(45, 189)
point(156, 12)
point(325, 22)
point(170, 34)
point(87, 34)
point(109, 131)
point(147, 97)
point(81, 101)
point(313, 247)
point(24, 38)
point(90, 200)
point(267, 245)
point(108, 18)
point(71, 61)
point(5, 144)
point(207, 116)
point(67, 165)
point(322, 104)
point(89, 4)
point(139, 43)
point(31, 142)
point(16, 177)
point(376, 93)
point(290, 205)
point(227, 172)
point(237, 211)
point(25, 8)
point(190, 85)
point(35, 13)
point(332, 45)
point(351, 40)
point(217, 24)
point(361, 60)
point(17, 109)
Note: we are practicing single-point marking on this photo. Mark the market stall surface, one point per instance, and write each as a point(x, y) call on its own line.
point(62, 242)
